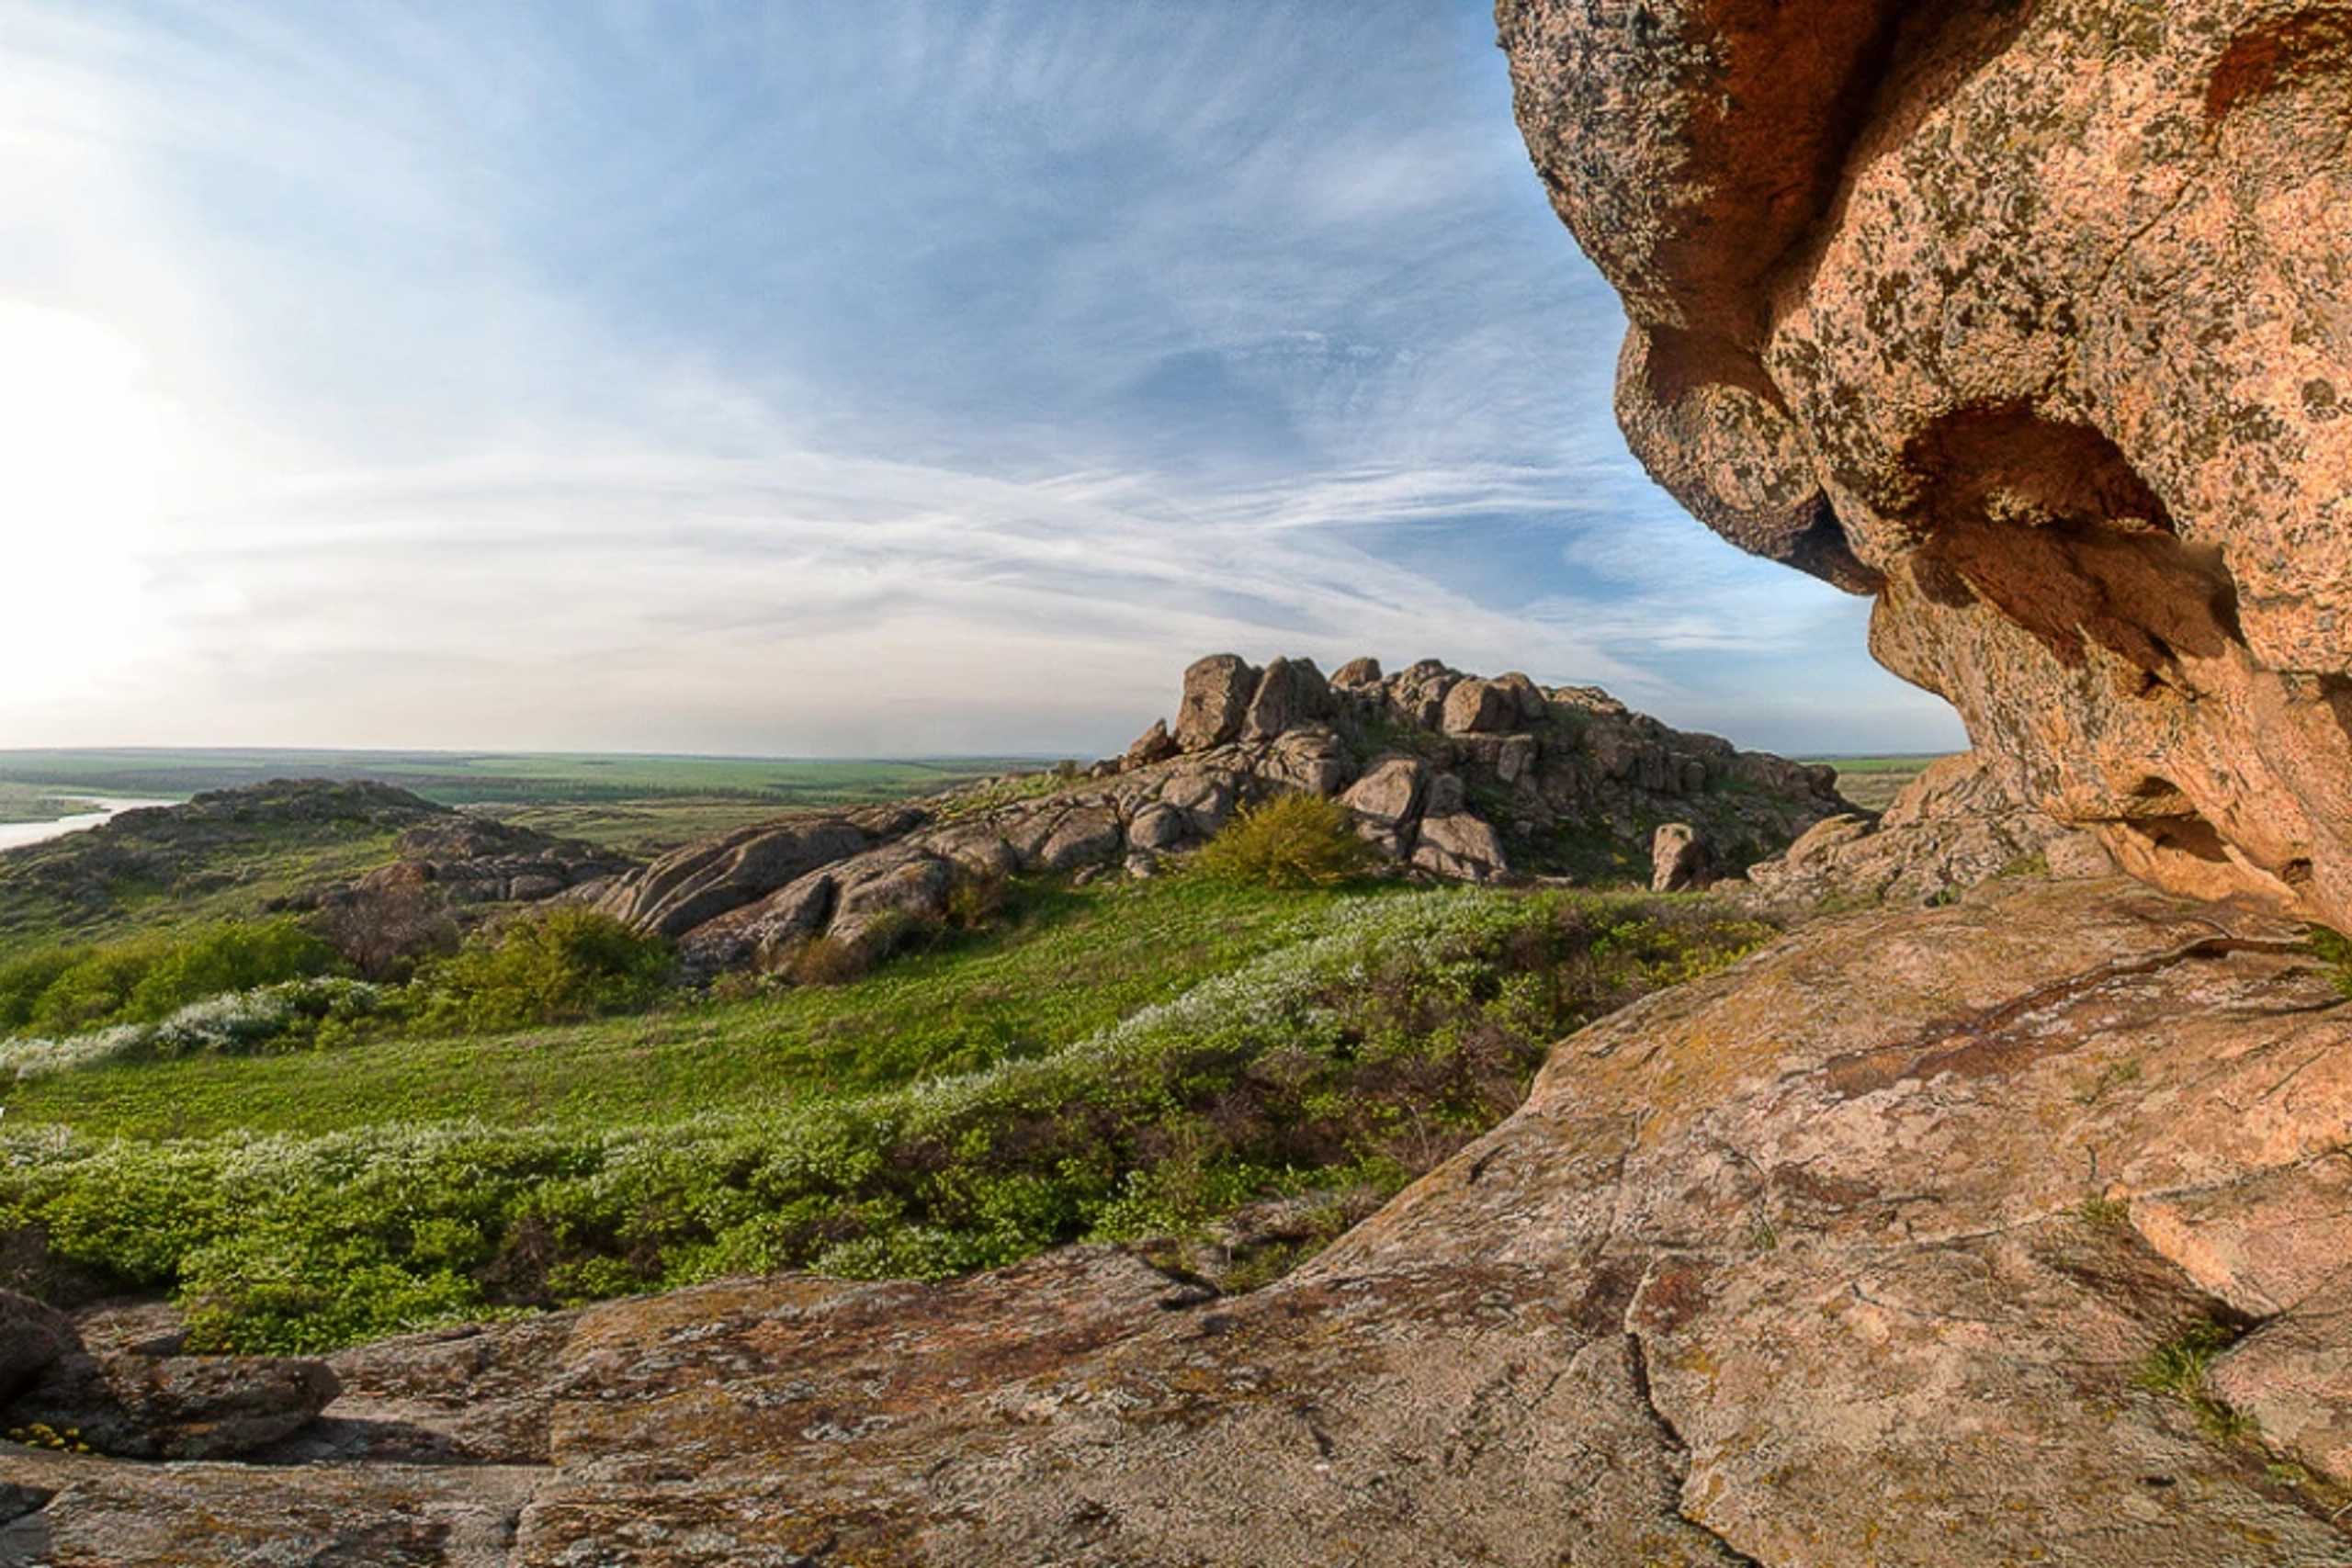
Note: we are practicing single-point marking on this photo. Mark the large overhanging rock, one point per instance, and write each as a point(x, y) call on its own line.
point(2035, 322)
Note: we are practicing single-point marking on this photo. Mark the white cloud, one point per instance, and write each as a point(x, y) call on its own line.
point(414, 376)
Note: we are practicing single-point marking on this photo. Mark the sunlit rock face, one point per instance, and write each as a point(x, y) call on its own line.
point(2034, 321)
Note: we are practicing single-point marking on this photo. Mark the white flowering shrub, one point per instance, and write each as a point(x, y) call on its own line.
point(280, 1017)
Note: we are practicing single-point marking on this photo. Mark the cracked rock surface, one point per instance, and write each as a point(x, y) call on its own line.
point(1855, 1253)
point(2029, 319)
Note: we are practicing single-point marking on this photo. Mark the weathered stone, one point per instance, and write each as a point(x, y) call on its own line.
point(878, 898)
point(1157, 827)
point(1206, 799)
point(702, 881)
point(1291, 694)
point(1356, 675)
point(756, 932)
point(1517, 758)
point(2028, 321)
point(1679, 859)
point(1459, 847)
point(1445, 796)
point(1313, 760)
point(182, 1407)
point(1533, 707)
point(1218, 691)
point(1479, 708)
point(1417, 693)
point(1389, 795)
point(1154, 745)
point(1087, 836)
point(1955, 826)
point(32, 1336)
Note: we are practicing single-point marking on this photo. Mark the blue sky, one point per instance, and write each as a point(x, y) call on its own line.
point(817, 377)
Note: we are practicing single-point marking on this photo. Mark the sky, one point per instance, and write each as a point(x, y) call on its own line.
point(806, 377)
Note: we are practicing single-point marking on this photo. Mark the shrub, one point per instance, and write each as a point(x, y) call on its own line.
point(267, 1019)
point(553, 966)
point(1290, 841)
point(72, 991)
point(827, 961)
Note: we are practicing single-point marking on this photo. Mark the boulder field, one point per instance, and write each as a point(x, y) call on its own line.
point(1885, 1246)
point(1449, 776)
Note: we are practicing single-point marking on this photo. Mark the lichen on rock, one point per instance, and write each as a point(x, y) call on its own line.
point(2027, 320)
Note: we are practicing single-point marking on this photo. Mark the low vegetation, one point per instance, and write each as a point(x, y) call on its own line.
point(67, 991)
point(2178, 1369)
point(1289, 842)
point(959, 1109)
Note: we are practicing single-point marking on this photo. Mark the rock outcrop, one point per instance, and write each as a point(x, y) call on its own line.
point(1955, 826)
point(2028, 320)
point(1449, 776)
point(135, 1405)
point(1872, 1249)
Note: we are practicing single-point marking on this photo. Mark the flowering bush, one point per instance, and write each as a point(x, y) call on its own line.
point(268, 1018)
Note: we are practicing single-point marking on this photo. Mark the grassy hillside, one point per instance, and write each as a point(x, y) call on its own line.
point(1119, 1062)
point(150, 871)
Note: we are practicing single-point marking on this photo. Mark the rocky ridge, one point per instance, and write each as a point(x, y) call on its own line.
point(1449, 776)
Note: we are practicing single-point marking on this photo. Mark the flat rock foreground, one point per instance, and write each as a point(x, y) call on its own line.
point(1886, 1245)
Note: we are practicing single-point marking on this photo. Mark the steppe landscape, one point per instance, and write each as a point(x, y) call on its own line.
point(1389, 1113)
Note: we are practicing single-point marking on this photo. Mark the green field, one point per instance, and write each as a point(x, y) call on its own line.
point(1872, 782)
point(34, 803)
point(1069, 961)
point(454, 778)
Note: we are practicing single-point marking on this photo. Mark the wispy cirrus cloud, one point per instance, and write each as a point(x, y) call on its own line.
point(832, 377)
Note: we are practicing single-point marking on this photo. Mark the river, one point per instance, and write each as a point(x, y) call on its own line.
point(17, 835)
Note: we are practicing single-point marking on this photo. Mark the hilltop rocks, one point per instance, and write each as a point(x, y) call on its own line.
point(1449, 776)
point(1957, 824)
point(1217, 692)
point(2027, 320)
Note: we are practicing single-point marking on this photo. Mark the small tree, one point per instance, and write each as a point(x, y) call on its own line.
point(1289, 842)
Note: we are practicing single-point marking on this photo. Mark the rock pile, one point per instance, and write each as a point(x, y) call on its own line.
point(452, 867)
point(1449, 776)
point(1954, 827)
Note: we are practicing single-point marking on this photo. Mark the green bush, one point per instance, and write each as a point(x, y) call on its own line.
point(64, 991)
point(1290, 841)
point(553, 966)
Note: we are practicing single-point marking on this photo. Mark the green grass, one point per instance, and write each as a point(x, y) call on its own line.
point(35, 803)
point(1125, 1061)
point(1073, 962)
point(507, 778)
point(2178, 1369)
